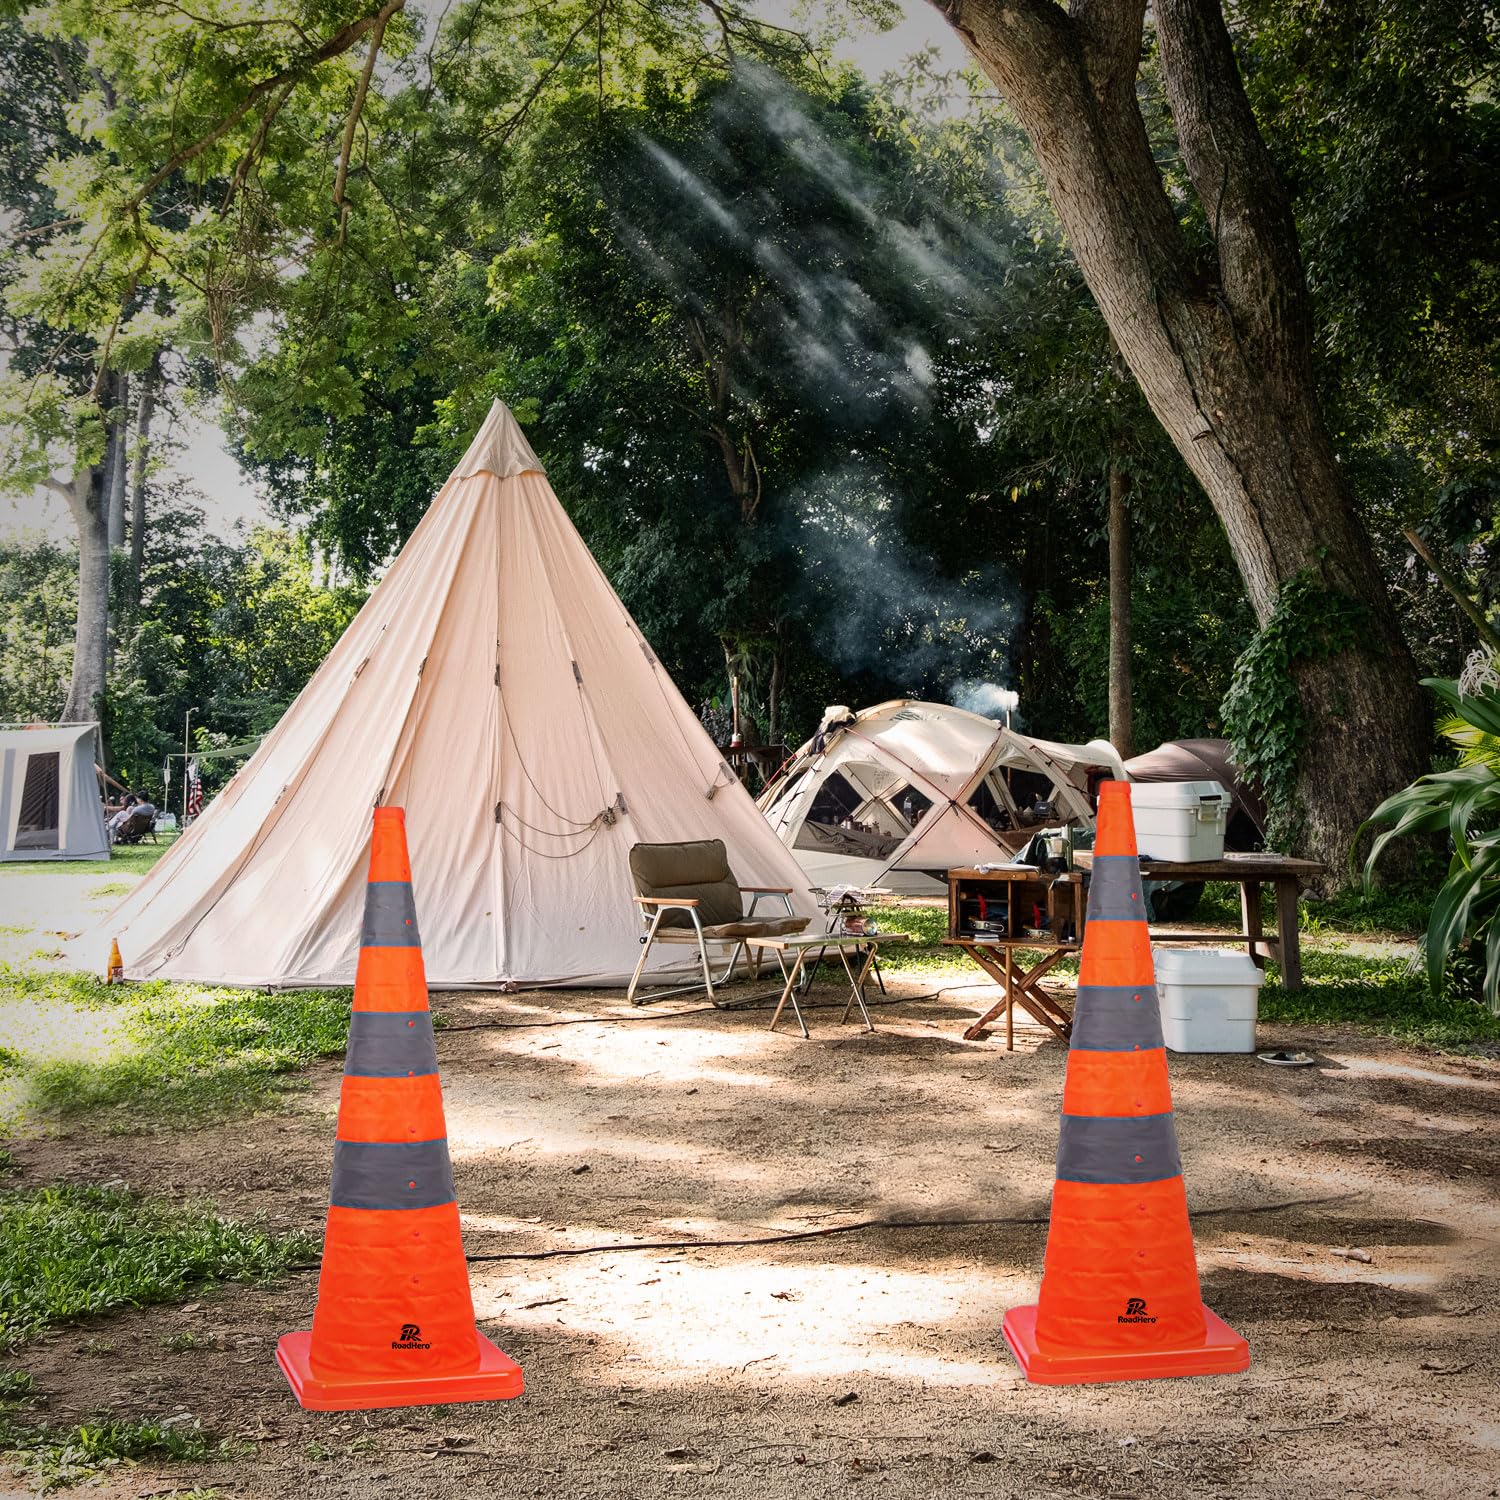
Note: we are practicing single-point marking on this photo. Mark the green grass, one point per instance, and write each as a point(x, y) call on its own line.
point(129, 859)
point(164, 1052)
point(56, 1457)
point(1379, 992)
point(1400, 911)
point(186, 1341)
point(74, 1252)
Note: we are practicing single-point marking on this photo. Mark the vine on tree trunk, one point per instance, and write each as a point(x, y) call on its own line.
point(1262, 711)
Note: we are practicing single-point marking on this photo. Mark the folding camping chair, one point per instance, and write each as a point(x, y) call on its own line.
point(138, 827)
point(687, 894)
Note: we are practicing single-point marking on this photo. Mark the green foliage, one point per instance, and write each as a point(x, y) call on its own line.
point(1263, 714)
point(74, 1252)
point(171, 1054)
point(1383, 119)
point(1189, 623)
point(231, 631)
point(38, 602)
point(1463, 807)
point(58, 1457)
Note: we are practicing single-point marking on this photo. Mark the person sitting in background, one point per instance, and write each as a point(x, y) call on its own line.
point(122, 816)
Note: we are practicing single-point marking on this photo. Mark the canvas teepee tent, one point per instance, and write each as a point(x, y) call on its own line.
point(896, 794)
point(495, 687)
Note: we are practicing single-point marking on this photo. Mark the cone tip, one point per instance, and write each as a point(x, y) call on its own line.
point(390, 815)
point(1115, 790)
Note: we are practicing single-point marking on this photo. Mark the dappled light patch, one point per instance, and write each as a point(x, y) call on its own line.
point(801, 1318)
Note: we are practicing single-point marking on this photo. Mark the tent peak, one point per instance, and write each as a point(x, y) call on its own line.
point(499, 448)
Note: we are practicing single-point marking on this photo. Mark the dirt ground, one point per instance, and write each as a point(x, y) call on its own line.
point(871, 1358)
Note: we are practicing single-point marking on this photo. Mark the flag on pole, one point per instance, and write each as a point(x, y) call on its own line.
point(194, 790)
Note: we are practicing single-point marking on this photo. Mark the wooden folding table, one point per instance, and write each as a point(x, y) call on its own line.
point(1019, 985)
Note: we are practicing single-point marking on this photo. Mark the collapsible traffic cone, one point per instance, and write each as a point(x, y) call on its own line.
point(116, 974)
point(394, 1324)
point(1120, 1297)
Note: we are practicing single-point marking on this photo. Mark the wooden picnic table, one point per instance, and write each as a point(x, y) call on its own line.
point(1250, 872)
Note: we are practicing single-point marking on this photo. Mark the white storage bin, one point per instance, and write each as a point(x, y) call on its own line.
point(1180, 820)
point(1209, 998)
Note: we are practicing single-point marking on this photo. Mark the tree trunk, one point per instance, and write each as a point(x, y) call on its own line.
point(144, 415)
point(1121, 716)
point(1220, 344)
point(773, 703)
point(88, 499)
point(115, 456)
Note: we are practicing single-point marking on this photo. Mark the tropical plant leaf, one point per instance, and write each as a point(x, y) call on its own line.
point(1452, 906)
point(1482, 710)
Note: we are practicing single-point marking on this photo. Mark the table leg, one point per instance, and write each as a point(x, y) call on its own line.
point(1288, 935)
point(1250, 909)
point(856, 989)
point(790, 993)
point(1010, 1005)
point(1033, 999)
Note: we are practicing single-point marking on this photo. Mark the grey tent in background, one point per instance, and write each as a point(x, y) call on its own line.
point(49, 794)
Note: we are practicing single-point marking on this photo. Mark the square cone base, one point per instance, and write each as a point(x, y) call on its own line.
point(1222, 1352)
point(498, 1378)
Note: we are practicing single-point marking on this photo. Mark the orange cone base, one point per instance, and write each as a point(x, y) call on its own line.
point(498, 1378)
point(1222, 1352)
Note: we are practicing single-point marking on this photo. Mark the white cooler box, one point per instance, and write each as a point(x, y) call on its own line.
point(1209, 998)
point(1180, 820)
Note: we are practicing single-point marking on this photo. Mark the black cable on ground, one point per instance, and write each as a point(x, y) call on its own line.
point(859, 1226)
point(443, 1029)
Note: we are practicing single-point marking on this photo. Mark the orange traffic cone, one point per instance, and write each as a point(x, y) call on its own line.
point(116, 974)
point(1120, 1297)
point(394, 1323)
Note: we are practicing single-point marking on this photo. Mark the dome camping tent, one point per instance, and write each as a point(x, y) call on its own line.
point(1208, 760)
point(50, 806)
point(496, 687)
point(896, 794)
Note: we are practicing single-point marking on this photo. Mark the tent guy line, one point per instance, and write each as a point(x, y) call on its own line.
point(440, 1029)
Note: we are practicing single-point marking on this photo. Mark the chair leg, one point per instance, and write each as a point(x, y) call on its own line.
point(635, 978)
point(708, 978)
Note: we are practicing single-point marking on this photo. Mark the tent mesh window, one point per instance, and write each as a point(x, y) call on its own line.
point(911, 804)
point(836, 800)
point(832, 825)
point(36, 828)
point(983, 802)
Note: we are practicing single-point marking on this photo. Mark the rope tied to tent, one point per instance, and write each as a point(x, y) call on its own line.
point(606, 817)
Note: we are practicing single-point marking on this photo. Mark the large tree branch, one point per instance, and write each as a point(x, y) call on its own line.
point(339, 43)
point(357, 108)
point(1242, 192)
point(1110, 31)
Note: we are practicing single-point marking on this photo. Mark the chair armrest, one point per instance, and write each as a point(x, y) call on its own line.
point(666, 900)
point(766, 890)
